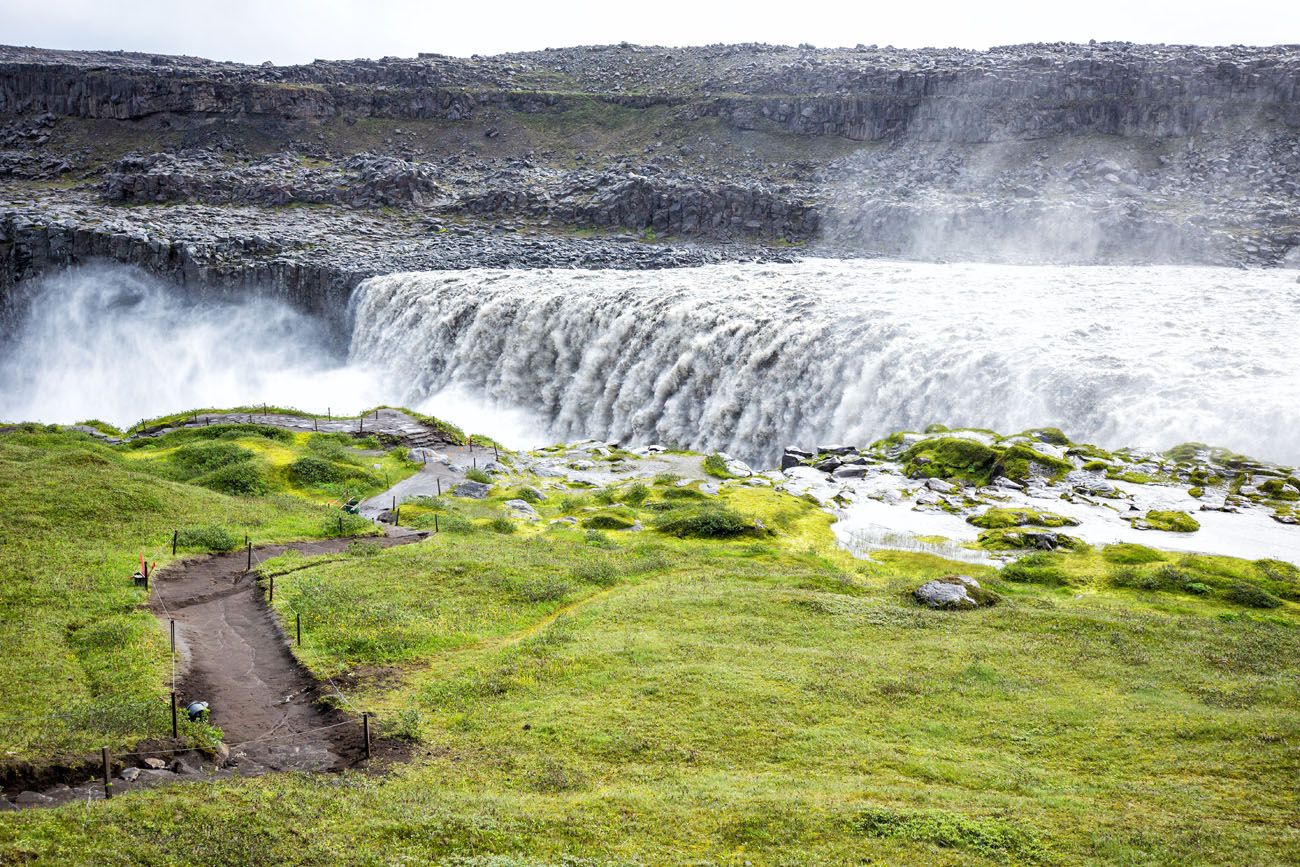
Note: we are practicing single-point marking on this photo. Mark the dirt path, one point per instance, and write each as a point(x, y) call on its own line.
point(236, 658)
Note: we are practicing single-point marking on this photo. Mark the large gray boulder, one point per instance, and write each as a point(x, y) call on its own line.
point(954, 593)
point(473, 490)
point(522, 509)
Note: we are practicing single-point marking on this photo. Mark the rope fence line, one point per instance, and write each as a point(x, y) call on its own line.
point(255, 562)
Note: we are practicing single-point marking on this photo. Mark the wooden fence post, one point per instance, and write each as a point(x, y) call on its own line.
point(175, 729)
point(108, 772)
point(175, 534)
point(365, 728)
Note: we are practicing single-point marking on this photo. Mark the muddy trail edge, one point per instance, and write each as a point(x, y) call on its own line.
point(236, 658)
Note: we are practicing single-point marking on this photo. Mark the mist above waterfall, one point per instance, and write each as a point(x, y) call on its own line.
point(113, 343)
point(750, 358)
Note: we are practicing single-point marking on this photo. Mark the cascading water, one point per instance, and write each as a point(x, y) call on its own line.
point(748, 358)
point(113, 343)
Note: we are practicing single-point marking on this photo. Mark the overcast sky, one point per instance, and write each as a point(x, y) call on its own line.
point(297, 31)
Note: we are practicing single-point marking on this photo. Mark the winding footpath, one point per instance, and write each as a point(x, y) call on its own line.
point(237, 659)
point(232, 653)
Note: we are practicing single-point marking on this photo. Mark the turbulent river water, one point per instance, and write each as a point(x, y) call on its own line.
point(744, 358)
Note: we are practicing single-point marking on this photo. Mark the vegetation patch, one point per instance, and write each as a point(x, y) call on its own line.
point(209, 537)
point(1169, 522)
point(1016, 539)
point(716, 466)
point(1042, 568)
point(1131, 553)
point(706, 522)
point(997, 839)
point(1001, 518)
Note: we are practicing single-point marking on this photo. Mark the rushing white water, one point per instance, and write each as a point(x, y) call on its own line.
point(116, 344)
point(748, 358)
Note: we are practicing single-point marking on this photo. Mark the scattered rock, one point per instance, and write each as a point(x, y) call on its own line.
point(130, 774)
point(473, 490)
point(522, 509)
point(954, 593)
point(33, 799)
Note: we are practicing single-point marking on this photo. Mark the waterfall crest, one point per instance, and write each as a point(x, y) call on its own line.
point(749, 358)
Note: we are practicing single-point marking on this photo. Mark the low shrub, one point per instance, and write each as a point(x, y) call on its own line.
point(1041, 568)
point(715, 465)
point(548, 589)
point(1278, 570)
point(1131, 554)
point(477, 475)
point(707, 522)
point(597, 572)
point(244, 479)
point(608, 521)
point(684, 494)
point(208, 537)
point(636, 494)
point(501, 524)
point(666, 479)
point(1251, 596)
point(311, 470)
point(196, 459)
point(1167, 577)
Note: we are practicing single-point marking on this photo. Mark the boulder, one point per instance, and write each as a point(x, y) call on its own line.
point(155, 764)
point(473, 490)
point(739, 469)
point(793, 458)
point(33, 799)
point(6, 805)
point(940, 486)
point(850, 471)
point(944, 595)
point(130, 775)
point(954, 593)
point(522, 509)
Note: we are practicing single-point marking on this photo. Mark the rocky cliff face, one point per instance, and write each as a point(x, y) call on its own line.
point(1081, 153)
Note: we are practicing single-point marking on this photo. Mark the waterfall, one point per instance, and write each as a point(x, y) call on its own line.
point(114, 343)
point(749, 358)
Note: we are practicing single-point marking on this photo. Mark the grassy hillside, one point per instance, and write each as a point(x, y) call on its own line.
point(579, 696)
point(82, 663)
point(255, 460)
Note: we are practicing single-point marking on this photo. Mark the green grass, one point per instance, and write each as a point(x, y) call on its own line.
point(635, 697)
point(253, 459)
point(81, 663)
